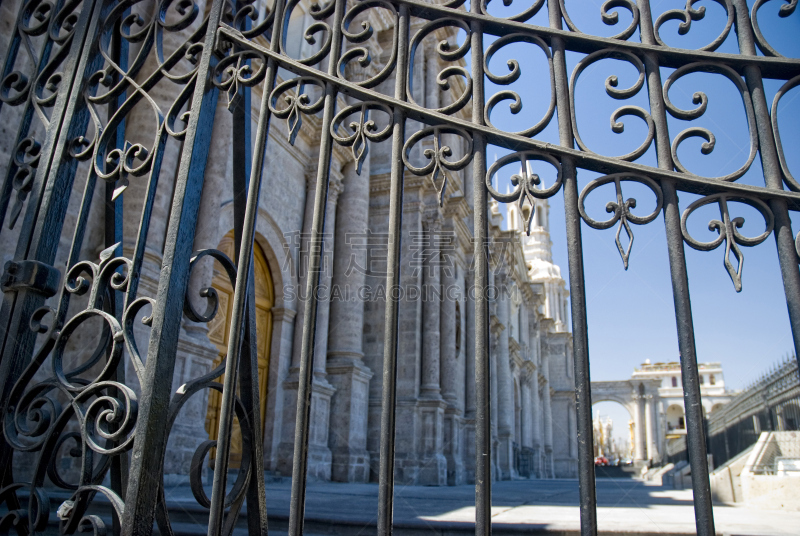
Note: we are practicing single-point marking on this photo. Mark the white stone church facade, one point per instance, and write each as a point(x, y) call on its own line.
point(533, 407)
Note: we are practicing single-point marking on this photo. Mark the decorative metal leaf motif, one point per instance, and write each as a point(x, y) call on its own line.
point(26, 158)
point(438, 164)
point(621, 209)
point(236, 71)
point(363, 131)
point(525, 182)
point(297, 103)
point(728, 231)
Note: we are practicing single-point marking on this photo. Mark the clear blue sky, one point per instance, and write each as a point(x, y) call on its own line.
point(631, 315)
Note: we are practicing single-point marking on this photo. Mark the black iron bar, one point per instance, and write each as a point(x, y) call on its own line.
point(300, 456)
point(695, 422)
point(40, 228)
point(390, 340)
point(577, 288)
point(240, 313)
point(248, 365)
point(147, 456)
point(483, 421)
point(773, 178)
point(113, 223)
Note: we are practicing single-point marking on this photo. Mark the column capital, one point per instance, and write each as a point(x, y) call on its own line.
point(335, 187)
point(432, 220)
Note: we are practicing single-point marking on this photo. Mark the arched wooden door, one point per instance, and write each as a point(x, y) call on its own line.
point(219, 329)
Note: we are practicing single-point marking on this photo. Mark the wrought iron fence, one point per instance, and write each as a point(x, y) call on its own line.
point(76, 70)
point(771, 403)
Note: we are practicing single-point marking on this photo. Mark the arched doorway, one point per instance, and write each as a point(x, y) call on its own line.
point(675, 420)
point(219, 329)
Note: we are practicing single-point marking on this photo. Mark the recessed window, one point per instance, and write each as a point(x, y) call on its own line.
point(712, 380)
point(674, 381)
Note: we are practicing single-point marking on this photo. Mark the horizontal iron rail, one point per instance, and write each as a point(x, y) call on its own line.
point(602, 164)
point(772, 67)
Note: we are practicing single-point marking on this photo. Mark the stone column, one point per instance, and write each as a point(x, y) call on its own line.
point(450, 371)
point(433, 469)
point(335, 188)
point(536, 410)
point(469, 384)
point(652, 432)
point(548, 422)
point(447, 331)
point(319, 455)
point(638, 423)
point(505, 386)
point(346, 370)
point(431, 321)
point(525, 398)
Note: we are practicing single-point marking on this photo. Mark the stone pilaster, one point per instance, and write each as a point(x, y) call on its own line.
point(639, 451)
point(319, 455)
point(345, 368)
point(650, 434)
point(431, 312)
point(536, 409)
point(450, 371)
point(469, 385)
point(505, 386)
point(433, 467)
point(548, 424)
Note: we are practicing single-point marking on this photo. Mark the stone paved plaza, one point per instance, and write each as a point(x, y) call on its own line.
point(625, 506)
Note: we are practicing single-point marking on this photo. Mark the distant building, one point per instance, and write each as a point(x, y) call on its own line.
point(670, 393)
point(653, 397)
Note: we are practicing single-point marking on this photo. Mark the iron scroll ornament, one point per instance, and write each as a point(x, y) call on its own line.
point(97, 413)
point(298, 102)
point(728, 230)
point(788, 178)
point(701, 100)
point(621, 208)
point(33, 71)
point(513, 76)
point(525, 183)
point(438, 164)
point(620, 94)
point(360, 54)
point(689, 14)
point(364, 130)
point(608, 17)
point(785, 10)
point(443, 48)
point(528, 13)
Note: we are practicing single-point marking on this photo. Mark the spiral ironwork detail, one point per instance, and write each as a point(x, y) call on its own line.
point(525, 183)
point(701, 100)
point(364, 130)
point(611, 89)
point(728, 230)
point(689, 14)
point(620, 209)
point(785, 10)
point(439, 163)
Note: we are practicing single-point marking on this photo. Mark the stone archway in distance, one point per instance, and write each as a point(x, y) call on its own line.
point(641, 399)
